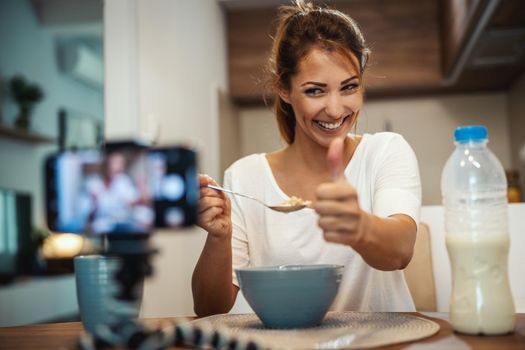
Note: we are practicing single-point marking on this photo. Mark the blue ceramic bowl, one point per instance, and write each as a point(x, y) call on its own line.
point(290, 296)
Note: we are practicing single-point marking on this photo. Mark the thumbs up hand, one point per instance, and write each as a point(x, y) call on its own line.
point(340, 216)
point(335, 160)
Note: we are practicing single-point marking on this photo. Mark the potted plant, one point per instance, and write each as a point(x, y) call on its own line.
point(26, 96)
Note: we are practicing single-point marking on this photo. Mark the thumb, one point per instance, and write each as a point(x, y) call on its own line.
point(334, 158)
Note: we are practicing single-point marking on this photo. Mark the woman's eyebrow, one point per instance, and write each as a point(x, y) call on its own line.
point(313, 83)
point(324, 85)
point(348, 80)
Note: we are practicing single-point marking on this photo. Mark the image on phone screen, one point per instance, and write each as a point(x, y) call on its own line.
point(126, 191)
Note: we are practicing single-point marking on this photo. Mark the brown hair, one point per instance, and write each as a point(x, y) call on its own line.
point(303, 26)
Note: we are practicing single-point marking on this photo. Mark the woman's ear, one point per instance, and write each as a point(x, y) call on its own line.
point(283, 94)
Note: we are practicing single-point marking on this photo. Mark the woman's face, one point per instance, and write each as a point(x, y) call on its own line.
point(326, 96)
point(116, 164)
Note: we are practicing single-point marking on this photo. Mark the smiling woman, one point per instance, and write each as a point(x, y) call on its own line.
point(365, 189)
point(324, 106)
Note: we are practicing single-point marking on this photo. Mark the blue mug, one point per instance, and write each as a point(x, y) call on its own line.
point(97, 290)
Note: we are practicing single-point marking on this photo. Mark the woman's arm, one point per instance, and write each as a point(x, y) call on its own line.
point(384, 243)
point(388, 243)
point(212, 286)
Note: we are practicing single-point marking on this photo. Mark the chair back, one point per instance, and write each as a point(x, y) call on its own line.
point(419, 274)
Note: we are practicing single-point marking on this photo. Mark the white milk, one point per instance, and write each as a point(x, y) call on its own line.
point(481, 298)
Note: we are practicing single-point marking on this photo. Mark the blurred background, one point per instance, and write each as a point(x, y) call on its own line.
point(76, 72)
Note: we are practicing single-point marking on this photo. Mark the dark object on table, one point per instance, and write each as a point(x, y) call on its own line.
point(59, 266)
point(17, 251)
point(514, 192)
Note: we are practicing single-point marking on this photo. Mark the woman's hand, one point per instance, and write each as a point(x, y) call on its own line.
point(340, 216)
point(214, 209)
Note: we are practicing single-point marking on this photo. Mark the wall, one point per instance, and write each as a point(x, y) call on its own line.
point(180, 66)
point(28, 48)
point(426, 123)
point(259, 131)
point(517, 128)
point(229, 133)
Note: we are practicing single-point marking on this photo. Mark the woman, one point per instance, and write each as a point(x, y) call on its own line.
point(365, 189)
point(115, 201)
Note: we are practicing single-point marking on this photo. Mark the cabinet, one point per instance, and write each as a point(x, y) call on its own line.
point(418, 47)
point(38, 299)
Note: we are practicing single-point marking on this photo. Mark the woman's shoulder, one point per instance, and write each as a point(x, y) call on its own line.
point(246, 171)
point(375, 147)
point(382, 137)
point(250, 163)
point(379, 141)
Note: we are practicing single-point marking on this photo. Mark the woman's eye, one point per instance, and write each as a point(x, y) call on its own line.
point(349, 87)
point(313, 91)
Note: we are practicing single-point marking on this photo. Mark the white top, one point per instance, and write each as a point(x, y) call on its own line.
point(385, 173)
point(113, 202)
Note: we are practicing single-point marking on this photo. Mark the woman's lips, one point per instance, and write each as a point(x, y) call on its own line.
point(326, 126)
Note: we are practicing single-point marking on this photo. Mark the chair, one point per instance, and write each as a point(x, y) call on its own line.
point(419, 274)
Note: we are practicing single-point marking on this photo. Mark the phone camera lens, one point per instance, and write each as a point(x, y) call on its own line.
point(174, 217)
point(172, 187)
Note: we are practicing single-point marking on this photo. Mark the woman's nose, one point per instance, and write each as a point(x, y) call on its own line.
point(334, 106)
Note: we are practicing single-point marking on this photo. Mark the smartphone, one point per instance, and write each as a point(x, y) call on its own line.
point(122, 190)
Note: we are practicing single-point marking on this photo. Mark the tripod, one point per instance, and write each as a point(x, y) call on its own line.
point(123, 331)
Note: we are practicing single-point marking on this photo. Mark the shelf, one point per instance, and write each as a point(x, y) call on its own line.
point(30, 137)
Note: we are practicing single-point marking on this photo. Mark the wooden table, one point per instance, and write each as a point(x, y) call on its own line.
point(64, 336)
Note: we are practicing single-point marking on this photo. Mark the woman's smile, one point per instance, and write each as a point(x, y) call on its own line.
point(330, 126)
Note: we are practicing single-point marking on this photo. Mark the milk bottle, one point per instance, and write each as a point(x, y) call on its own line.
point(474, 190)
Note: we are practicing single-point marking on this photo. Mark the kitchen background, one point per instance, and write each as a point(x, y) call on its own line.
point(185, 72)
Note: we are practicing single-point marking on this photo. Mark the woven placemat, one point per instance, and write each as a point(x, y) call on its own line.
point(339, 330)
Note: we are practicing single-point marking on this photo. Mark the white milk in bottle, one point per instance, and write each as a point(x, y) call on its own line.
point(474, 187)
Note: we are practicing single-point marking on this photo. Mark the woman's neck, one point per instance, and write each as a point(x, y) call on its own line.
point(312, 156)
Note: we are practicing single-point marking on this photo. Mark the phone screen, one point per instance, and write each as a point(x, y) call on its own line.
point(122, 191)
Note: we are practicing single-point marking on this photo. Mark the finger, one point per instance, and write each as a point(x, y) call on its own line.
point(336, 207)
point(331, 190)
point(210, 202)
point(343, 225)
point(210, 192)
point(209, 215)
point(335, 237)
point(227, 202)
point(204, 180)
point(219, 194)
point(335, 159)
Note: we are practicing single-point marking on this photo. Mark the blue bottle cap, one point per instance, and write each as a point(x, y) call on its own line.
point(470, 133)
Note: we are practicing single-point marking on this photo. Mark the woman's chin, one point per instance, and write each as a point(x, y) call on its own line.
point(326, 140)
point(327, 136)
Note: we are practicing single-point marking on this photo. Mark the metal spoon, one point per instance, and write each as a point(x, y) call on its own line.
point(283, 208)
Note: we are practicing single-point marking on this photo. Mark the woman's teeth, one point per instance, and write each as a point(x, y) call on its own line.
point(330, 126)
